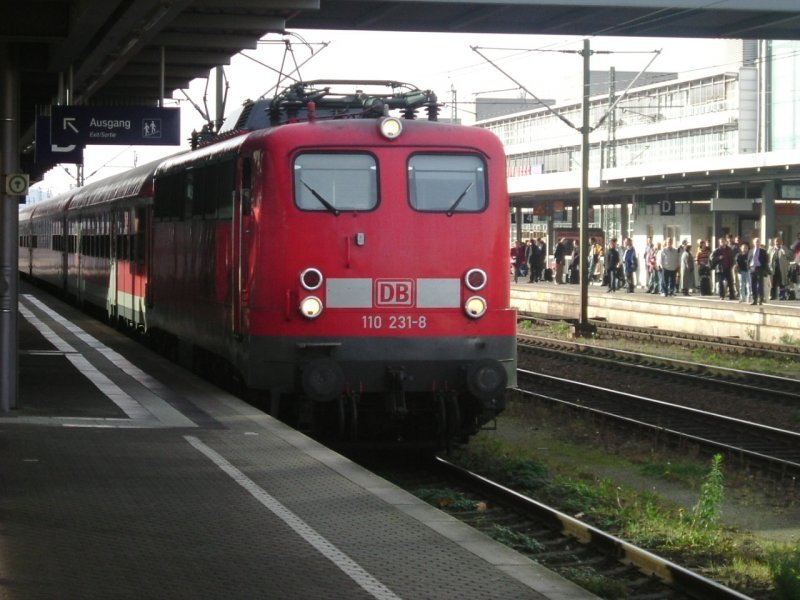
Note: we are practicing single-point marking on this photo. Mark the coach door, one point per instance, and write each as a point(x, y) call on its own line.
point(242, 221)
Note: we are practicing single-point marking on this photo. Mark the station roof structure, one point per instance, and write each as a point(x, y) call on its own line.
point(109, 51)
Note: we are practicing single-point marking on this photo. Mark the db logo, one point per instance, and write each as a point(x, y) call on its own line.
point(394, 292)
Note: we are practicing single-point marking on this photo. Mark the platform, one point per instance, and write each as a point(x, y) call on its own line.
point(776, 321)
point(125, 476)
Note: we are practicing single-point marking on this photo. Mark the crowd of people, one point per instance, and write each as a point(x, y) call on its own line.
point(738, 269)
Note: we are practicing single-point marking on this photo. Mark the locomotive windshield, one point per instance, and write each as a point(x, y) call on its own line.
point(450, 184)
point(335, 182)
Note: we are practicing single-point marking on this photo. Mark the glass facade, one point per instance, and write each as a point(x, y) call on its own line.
point(680, 120)
point(784, 94)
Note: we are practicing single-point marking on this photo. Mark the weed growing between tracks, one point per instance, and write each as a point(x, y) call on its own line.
point(784, 565)
point(564, 474)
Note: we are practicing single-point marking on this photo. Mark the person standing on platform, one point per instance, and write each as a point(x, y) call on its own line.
point(722, 263)
point(574, 267)
point(594, 258)
point(630, 263)
point(779, 266)
point(542, 259)
point(757, 261)
point(612, 261)
point(743, 272)
point(647, 255)
point(654, 284)
point(796, 250)
point(703, 260)
point(668, 261)
point(517, 259)
point(735, 249)
point(559, 257)
point(532, 258)
point(687, 270)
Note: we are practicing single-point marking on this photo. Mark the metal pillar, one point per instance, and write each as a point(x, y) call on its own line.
point(583, 328)
point(9, 227)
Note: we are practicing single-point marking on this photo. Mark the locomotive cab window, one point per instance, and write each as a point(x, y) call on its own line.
point(447, 183)
point(335, 182)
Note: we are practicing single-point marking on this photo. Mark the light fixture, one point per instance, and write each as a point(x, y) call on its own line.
point(311, 279)
point(390, 127)
point(475, 279)
point(475, 307)
point(311, 307)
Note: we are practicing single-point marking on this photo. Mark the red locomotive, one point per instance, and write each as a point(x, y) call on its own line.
point(346, 264)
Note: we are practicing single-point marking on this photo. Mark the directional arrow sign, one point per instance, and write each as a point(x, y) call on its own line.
point(47, 153)
point(115, 125)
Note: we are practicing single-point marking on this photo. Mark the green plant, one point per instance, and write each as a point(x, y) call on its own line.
point(561, 329)
point(447, 499)
point(784, 566)
point(708, 510)
point(790, 340)
point(516, 540)
point(598, 584)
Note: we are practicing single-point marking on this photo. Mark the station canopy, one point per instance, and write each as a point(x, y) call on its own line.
point(109, 52)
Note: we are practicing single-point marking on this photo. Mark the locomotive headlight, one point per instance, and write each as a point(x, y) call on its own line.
point(475, 279)
point(391, 127)
point(475, 307)
point(311, 307)
point(311, 279)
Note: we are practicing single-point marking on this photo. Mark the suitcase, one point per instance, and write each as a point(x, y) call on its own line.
point(548, 274)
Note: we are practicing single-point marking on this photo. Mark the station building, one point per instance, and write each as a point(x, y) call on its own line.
point(690, 156)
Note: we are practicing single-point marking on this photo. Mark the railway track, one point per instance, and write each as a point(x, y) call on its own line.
point(652, 335)
point(773, 449)
point(785, 390)
point(574, 549)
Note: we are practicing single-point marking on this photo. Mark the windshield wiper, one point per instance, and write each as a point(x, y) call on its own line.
point(322, 200)
point(458, 200)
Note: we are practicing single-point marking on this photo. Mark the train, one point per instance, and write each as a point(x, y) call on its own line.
point(341, 258)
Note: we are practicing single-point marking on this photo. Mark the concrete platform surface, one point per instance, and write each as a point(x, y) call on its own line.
point(125, 476)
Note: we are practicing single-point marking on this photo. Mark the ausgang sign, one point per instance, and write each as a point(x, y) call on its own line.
point(112, 125)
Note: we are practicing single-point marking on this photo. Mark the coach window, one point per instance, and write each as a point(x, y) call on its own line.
point(447, 183)
point(335, 182)
point(169, 197)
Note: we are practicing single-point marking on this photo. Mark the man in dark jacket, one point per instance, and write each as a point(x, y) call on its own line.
point(722, 262)
point(559, 257)
point(533, 257)
point(612, 264)
point(757, 263)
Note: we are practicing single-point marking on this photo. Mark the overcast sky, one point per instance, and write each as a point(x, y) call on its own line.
point(547, 66)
